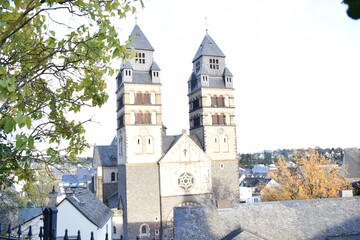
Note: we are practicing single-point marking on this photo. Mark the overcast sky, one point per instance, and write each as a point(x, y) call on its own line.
point(295, 65)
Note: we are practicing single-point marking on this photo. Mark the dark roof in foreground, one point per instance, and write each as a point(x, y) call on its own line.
point(91, 207)
point(27, 214)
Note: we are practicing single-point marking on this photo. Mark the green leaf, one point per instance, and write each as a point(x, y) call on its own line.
point(28, 122)
point(9, 125)
point(31, 143)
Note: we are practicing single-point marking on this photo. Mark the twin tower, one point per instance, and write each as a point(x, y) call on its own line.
point(157, 172)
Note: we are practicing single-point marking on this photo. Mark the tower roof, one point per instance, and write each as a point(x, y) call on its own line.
point(139, 41)
point(154, 67)
point(208, 47)
point(227, 72)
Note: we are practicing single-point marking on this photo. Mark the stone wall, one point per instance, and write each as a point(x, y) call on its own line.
point(301, 219)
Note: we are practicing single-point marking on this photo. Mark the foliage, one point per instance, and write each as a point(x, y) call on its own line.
point(36, 192)
point(46, 76)
point(313, 177)
point(246, 161)
point(353, 10)
point(8, 206)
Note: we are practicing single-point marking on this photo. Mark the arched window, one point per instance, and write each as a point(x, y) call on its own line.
point(146, 118)
point(225, 144)
point(220, 101)
point(217, 144)
point(213, 101)
point(221, 119)
point(144, 230)
point(138, 98)
point(138, 118)
point(215, 119)
point(146, 98)
point(138, 145)
point(113, 176)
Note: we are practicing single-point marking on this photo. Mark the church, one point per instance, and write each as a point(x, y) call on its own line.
point(155, 171)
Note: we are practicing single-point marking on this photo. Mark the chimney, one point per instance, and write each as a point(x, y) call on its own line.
point(52, 198)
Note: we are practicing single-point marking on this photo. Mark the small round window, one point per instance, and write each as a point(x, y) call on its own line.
point(186, 181)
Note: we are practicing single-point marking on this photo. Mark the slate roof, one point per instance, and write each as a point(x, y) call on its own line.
point(91, 208)
point(253, 181)
point(227, 72)
point(27, 214)
point(142, 77)
point(351, 163)
point(127, 65)
point(105, 156)
point(154, 67)
point(208, 47)
point(113, 201)
point(139, 40)
point(169, 141)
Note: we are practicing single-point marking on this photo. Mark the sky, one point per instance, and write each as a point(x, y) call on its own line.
point(295, 65)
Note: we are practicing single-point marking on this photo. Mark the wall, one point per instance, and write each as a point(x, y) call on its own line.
point(301, 219)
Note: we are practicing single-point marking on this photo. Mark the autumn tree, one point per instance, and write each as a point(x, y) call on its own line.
point(48, 76)
point(312, 177)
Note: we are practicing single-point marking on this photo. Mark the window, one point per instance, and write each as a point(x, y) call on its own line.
point(155, 74)
point(197, 66)
point(149, 145)
point(113, 176)
point(146, 98)
point(138, 98)
point(120, 102)
point(186, 181)
point(144, 230)
point(214, 63)
point(222, 165)
point(196, 104)
point(217, 101)
point(140, 58)
point(127, 72)
point(196, 122)
point(120, 121)
point(222, 119)
point(114, 230)
point(146, 118)
point(215, 119)
point(138, 145)
point(138, 118)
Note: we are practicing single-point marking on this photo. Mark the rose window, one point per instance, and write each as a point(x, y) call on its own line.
point(186, 181)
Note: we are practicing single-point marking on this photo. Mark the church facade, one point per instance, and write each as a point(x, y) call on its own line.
point(157, 172)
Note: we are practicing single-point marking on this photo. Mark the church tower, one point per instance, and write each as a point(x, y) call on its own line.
point(139, 136)
point(212, 116)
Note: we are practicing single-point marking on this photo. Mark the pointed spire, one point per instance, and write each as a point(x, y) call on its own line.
point(208, 47)
point(139, 41)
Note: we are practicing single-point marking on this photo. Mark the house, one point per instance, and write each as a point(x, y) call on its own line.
point(79, 182)
point(106, 172)
point(250, 188)
point(84, 212)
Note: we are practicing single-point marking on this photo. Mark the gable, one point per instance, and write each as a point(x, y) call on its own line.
point(185, 150)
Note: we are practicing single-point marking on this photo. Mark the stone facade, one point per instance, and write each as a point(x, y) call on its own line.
point(315, 219)
point(157, 172)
